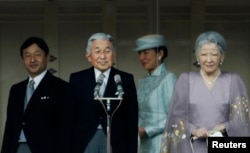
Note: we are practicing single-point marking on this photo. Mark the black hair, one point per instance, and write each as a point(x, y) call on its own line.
point(34, 40)
point(165, 50)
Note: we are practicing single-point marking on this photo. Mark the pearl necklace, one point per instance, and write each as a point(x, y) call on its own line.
point(210, 83)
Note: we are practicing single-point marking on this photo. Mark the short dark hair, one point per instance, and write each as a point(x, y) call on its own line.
point(34, 40)
point(165, 50)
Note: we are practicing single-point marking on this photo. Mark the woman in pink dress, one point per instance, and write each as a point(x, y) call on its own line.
point(206, 102)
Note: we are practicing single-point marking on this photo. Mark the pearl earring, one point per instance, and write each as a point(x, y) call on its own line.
point(198, 63)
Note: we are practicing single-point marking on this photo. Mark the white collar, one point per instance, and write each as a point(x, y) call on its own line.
point(38, 78)
point(106, 73)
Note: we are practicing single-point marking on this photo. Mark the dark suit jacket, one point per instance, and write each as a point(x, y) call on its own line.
point(90, 113)
point(45, 119)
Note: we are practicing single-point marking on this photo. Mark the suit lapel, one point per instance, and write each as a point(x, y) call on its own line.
point(41, 88)
point(89, 83)
point(20, 96)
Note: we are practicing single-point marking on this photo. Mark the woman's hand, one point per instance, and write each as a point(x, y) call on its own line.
point(141, 131)
point(200, 133)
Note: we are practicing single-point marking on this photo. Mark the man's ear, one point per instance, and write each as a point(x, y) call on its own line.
point(88, 56)
point(48, 58)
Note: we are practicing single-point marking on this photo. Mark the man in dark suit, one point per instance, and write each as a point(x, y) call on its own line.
point(90, 129)
point(41, 124)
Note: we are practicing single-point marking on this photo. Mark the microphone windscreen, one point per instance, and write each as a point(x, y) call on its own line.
point(117, 78)
point(100, 79)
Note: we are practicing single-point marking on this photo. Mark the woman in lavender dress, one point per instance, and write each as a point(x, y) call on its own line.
point(206, 102)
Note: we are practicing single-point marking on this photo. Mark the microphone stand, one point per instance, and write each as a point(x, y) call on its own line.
point(108, 107)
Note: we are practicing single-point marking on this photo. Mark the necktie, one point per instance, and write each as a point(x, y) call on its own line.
point(29, 91)
point(102, 88)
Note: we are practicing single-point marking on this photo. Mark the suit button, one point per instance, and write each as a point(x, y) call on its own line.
point(23, 123)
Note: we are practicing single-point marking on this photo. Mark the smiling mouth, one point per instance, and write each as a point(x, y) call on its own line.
point(209, 65)
point(33, 66)
point(104, 62)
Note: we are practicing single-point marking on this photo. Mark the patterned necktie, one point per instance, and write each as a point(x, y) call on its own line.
point(102, 88)
point(29, 91)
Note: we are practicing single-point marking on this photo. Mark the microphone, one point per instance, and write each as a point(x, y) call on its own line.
point(119, 85)
point(98, 85)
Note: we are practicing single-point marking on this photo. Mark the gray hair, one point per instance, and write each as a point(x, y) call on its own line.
point(100, 36)
point(211, 37)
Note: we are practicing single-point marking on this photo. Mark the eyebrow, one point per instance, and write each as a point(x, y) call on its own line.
point(96, 48)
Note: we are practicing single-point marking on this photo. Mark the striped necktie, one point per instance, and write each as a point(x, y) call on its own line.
point(102, 88)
